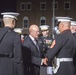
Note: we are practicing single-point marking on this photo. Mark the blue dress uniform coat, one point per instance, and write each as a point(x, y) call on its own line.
point(65, 47)
point(75, 55)
point(44, 44)
point(10, 53)
point(35, 56)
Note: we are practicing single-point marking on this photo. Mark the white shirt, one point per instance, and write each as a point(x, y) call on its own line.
point(32, 39)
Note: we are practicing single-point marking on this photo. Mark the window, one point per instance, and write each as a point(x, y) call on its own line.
point(42, 20)
point(25, 22)
point(22, 6)
point(56, 5)
point(29, 6)
point(43, 6)
point(66, 5)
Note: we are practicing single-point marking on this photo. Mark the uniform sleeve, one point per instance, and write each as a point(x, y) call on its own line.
point(18, 56)
point(55, 49)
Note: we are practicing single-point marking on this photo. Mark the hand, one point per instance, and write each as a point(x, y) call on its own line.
point(45, 61)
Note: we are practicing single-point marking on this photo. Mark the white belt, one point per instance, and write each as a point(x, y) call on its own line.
point(57, 62)
point(65, 59)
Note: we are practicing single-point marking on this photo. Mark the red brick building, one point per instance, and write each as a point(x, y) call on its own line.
point(41, 11)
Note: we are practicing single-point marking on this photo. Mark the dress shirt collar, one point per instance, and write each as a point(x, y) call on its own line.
point(31, 38)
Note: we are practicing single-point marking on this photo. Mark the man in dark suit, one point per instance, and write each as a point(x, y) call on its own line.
point(31, 48)
point(63, 49)
point(11, 62)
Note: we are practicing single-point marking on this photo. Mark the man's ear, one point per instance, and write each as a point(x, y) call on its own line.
point(62, 25)
point(13, 21)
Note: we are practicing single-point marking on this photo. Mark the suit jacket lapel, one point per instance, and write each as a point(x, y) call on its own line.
point(34, 45)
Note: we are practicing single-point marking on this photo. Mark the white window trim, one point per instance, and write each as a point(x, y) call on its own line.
point(21, 6)
point(57, 5)
point(42, 18)
point(27, 6)
point(69, 5)
point(25, 18)
point(42, 3)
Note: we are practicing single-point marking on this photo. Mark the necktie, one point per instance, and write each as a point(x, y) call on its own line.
point(37, 46)
point(36, 43)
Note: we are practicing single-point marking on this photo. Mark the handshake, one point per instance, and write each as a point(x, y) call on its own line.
point(44, 61)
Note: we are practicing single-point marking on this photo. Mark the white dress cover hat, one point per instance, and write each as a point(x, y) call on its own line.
point(10, 14)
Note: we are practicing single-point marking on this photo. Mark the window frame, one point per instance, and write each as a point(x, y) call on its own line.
point(21, 6)
point(43, 18)
point(55, 5)
point(41, 5)
point(65, 5)
point(30, 6)
point(27, 25)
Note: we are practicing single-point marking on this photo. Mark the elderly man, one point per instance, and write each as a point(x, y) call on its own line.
point(31, 48)
point(63, 49)
point(11, 62)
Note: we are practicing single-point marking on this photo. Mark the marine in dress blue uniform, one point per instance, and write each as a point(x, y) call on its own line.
point(44, 40)
point(73, 27)
point(11, 62)
point(73, 30)
point(64, 49)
